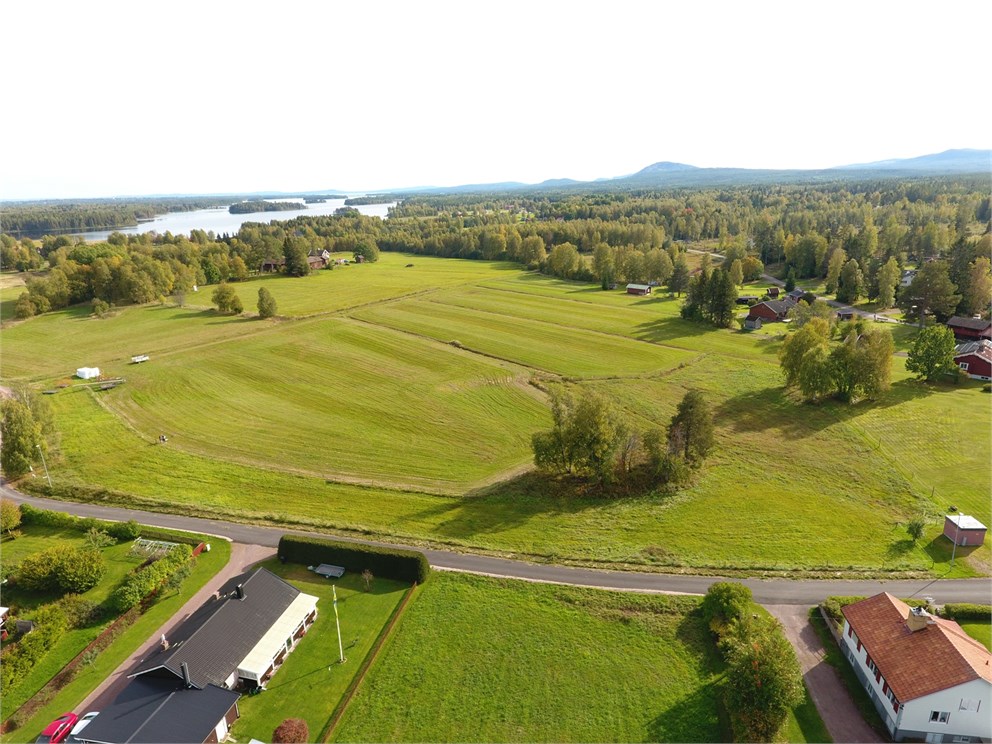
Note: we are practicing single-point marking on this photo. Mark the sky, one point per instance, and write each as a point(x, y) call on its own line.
point(130, 98)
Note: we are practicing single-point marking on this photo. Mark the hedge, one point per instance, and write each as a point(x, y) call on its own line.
point(143, 582)
point(121, 531)
point(963, 611)
point(388, 563)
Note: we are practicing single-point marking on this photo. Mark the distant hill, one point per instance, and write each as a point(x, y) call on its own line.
point(949, 161)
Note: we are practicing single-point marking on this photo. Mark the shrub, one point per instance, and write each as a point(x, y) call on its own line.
point(79, 612)
point(10, 516)
point(62, 568)
point(392, 563)
point(97, 538)
point(291, 731)
point(963, 611)
point(143, 582)
point(50, 624)
point(726, 603)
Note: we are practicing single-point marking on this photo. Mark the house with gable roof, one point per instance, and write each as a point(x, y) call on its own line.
point(928, 679)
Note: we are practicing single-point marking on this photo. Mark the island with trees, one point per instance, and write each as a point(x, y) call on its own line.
point(261, 205)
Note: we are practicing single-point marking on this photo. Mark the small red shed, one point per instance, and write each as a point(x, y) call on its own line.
point(638, 289)
point(961, 529)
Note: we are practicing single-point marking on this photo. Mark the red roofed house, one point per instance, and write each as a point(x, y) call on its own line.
point(975, 358)
point(928, 679)
point(966, 329)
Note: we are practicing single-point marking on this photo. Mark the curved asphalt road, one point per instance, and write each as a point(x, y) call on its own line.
point(766, 591)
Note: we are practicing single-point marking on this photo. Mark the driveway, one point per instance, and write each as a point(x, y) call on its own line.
point(242, 558)
point(831, 698)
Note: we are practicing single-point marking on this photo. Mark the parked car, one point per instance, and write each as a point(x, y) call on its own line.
point(74, 735)
point(58, 729)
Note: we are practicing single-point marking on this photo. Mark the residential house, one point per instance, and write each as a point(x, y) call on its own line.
point(970, 329)
point(975, 358)
point(927, 678)
point(771, 311)
point(638, 289)
point(908, 275)
point(185, 690)
point(796, 295)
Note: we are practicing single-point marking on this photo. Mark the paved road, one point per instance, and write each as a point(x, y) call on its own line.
point(766, 591)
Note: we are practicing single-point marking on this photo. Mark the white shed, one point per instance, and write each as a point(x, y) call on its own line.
point(88, 373)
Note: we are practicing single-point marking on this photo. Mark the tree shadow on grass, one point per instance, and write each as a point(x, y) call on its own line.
point(512, 503)
point(941, 548)
point(670, 329)
point(775, 409)
point(696, 716)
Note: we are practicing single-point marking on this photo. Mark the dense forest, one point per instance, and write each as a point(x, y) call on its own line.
point(260, 205)
point(858, 237)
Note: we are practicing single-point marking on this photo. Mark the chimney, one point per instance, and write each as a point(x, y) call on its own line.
point(185, 669)
point(239, 591)
point(165, 643)
point(918, 619)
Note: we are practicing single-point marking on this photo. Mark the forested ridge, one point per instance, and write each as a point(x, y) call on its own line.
point(851, 234)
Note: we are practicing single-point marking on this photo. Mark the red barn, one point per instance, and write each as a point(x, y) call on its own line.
point(975, 358)
point(638, 289)
point(964, 530)
point(966, 329)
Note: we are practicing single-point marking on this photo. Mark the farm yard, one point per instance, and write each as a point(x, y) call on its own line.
point(402, 406)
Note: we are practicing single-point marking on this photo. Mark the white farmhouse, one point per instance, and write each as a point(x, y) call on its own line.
point(928, 679)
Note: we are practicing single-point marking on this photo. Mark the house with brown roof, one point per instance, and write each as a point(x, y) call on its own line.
point(928, 679)
point(970, 329)
point(771, 311)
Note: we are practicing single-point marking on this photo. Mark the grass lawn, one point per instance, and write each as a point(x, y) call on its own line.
point(90, 675)
point(311, 682)
point(11, 286)
point(480, 659)
point(981, 632)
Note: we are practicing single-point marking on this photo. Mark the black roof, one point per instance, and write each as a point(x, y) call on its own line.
point(221, 633)
point(151, 710)
point(975, 324)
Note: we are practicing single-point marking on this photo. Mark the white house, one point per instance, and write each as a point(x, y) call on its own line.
point(928, 679)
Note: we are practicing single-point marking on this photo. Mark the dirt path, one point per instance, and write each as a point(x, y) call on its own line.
point(242, 557)
point(842, 718)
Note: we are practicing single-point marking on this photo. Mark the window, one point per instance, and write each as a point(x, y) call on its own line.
point(850, 631)
point(969, 704)
point(963, 366)
point(939, 716)
point(859, 645)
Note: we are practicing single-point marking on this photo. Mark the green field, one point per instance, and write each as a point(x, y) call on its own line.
point(311, 682)
point(479, 659)
point(350, 421)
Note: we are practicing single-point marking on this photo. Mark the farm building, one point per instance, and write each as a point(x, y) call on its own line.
point(975, 358)
point(184, 690)
point(796, 295)
point(273, 264)
point(845, 314)
point(927, 678)
point(88, 373)
point(970, 329)
point(773, 292)
point(771, 311)
point(638, 289)
point(746, 299)
point(316, 262)
point(752, 324)
point(963, 530)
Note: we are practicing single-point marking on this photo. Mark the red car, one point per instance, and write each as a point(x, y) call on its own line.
point(58, 729)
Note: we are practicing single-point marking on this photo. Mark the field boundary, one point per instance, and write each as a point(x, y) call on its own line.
point(370, 658)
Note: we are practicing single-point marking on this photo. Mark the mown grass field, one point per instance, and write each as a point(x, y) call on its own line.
point(480, 659)
point(311, 682)
point(351, 421)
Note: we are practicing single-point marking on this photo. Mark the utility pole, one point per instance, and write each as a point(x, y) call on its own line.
point(337, 621)
point(45, 464)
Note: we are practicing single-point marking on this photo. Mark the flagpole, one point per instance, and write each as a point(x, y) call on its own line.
point(337, 621)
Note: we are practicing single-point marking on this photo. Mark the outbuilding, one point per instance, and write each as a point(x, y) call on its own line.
point(88, 373)
point(963, 530)
point(773, 292)
point(970, 329)
point(638, 289)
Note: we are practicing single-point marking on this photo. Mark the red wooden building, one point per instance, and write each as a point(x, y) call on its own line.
point(975, 359)
point(966, 329)
point(771, 310)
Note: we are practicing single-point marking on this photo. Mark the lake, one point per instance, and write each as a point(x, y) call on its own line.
point(220, 221)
